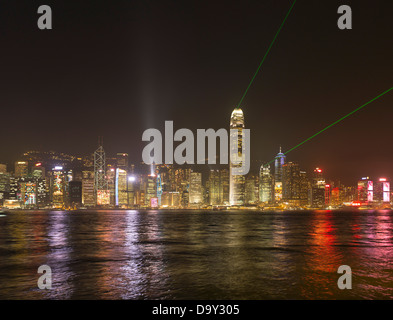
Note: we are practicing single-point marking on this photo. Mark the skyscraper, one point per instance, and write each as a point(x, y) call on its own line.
point(100, 182)
point(151, 188)
point(75, 193)
point(328, 192)
point(195, 190)
point(159, 189)
point(278, 164)
point(382, 190)
point(170, 199)
point(122, 160)
point(291, 183)
point(181, 178)
point(252, 189)
point(266, 189)
point(111, 179)
point(4, 186)
point(13, 195)
point(88, 188)
point(365, 190)
point(236, 182)
point(214, 187)
point(304, 189)
point(42, 191)
point(335, 197)
point(318, 189)
point(58, 181)
point(21, 169)
point(224, 186)
point(38, 171)
point(27, 192)
point(121, 191)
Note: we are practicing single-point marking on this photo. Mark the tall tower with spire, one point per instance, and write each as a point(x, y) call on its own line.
point(237, 183)
point(278, 164)
point(101, 194)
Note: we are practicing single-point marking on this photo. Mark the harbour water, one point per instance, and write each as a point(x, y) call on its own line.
point(196, 254)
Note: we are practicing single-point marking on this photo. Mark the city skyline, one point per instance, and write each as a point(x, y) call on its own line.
point(60, 181)
point(255, 164)
point(129, 72)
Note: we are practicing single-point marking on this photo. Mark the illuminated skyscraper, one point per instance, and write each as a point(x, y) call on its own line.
point(335, 199)
point(132, 181)
point(252, 189)
point(13, 195)
point(304, 189)
point(266, 189)
point(236, 182)
point(58, 187)
point(318, 189)
point(42, 191)
point(291, 183)
point(382, 190)
point(121, 190)
point(365, 190)
point(214, 187)
point(111, 177)
point(4, 186)
point(328, 191)
point(122, 160)
point(224, 186)
point(171, 199)
point(101, 191)
point(180, 178)
point(159, 189)
point(27, 192)
point(38, 171)
point(151, 189)
point(364, 186)
point(195, 190)
point(185, 199)
point(75, 193)
point(278, 164)
point(88, 199)
point(21, 169)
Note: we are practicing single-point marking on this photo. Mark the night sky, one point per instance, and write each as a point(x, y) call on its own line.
point(117, 68)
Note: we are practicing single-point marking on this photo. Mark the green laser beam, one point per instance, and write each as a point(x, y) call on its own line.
point(339, 120)
point(267, 52)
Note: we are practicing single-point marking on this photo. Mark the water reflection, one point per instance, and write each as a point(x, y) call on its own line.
point(59, 256)
point(322, 258)
point(376, 255)
point(196, 255)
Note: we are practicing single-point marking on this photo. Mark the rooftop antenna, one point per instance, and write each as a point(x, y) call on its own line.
point(100, 141)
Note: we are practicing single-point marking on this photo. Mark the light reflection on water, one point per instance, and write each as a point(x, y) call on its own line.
point(196, 255)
